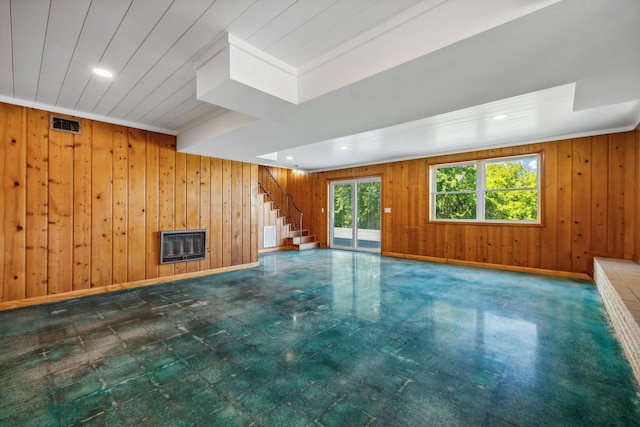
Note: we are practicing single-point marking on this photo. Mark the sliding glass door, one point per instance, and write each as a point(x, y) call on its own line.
point(355, 214)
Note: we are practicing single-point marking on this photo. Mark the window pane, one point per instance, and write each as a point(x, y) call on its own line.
point(456, 206)
point(515, 205)
point(512, 174)
point(369, 205)
point(456, 178)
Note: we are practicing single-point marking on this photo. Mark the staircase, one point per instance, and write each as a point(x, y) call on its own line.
point(303, 240)
point(297, 237)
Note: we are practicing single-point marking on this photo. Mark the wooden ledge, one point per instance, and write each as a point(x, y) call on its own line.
point(618, 282)
point(8, 305)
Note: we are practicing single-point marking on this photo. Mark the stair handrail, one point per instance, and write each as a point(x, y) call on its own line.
point(280, 198)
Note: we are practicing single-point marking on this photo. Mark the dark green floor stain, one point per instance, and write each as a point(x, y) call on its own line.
point(325, 338)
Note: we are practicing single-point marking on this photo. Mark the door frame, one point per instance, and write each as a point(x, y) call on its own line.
point(354, 201)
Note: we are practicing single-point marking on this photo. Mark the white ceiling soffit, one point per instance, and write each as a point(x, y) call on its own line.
point(533, 117)
point(438, 63)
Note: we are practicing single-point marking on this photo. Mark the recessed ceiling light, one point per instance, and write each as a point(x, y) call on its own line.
point(102, 72)
point(344, 147)
point(499, 117)
point(289, 158)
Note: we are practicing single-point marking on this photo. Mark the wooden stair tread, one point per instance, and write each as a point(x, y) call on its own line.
point(308, 245)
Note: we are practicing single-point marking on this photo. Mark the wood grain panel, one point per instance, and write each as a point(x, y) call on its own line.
point(236, 213)
point(82, 207)
point(102, 204)
point(193, 201)
point(227, 223)
point(13, 160)
point(549, 207)
point(520, 246)
point(60, 230)
point(506, 245)
point(534, 252)
point(630, 194)
point(563, 214)
point(599, 194)
point(166, 194)
point(615, 208)
point(246, 213)
point(205, 207)
point(494, 244)
point(152, 190)
point(581, 202)
point(37, 202)
point(120, 204)
point(180, 203)
point(136, 205)
point(217, 222)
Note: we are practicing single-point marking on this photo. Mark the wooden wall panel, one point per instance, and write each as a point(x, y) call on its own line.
point(102, 205)
point(37, 202)
point(246, 213)
point(236, 214)
point(216, 235)
point(168, 203)
point(152, 208)
point(563, 213)
point(227, 212)
point(81, 211)
point(581, 260)
point(205, 206)
point(589, 206)
point(60, 230)
point(549, 208)
point(120, 204)
point(630, 193)
point(136, 205)
point(180, 207)
point(13, 160)
point(193, 201)
point(616, 189)
point(599, 194)
point(82, 207)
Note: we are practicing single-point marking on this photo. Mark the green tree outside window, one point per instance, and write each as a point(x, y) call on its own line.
point(505, 190)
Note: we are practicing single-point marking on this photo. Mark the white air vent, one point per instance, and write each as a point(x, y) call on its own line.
point(270, 236)
point(65, 125)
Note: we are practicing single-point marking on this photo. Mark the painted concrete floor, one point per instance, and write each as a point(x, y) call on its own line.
point(326, 338)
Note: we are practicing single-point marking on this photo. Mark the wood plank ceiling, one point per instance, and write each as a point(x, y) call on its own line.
point(48, 48)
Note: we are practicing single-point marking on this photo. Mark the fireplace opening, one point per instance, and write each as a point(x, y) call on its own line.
point(182, 245)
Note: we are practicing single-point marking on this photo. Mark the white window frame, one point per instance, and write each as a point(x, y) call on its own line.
point(481, 189)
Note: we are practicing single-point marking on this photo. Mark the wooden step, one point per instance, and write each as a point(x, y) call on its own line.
point(304, 239)
point(308, 245)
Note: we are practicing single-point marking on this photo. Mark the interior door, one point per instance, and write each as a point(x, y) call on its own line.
point(355, 214)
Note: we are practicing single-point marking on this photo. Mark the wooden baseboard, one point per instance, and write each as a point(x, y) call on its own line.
point(532, 270)
point(120, 286)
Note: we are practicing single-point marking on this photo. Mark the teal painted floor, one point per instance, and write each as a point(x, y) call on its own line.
point(322, 337)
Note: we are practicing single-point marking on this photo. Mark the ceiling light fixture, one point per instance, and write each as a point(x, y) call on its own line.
point(102, 72)
point(344, 147)
point(499, 117)
point(289, 158)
